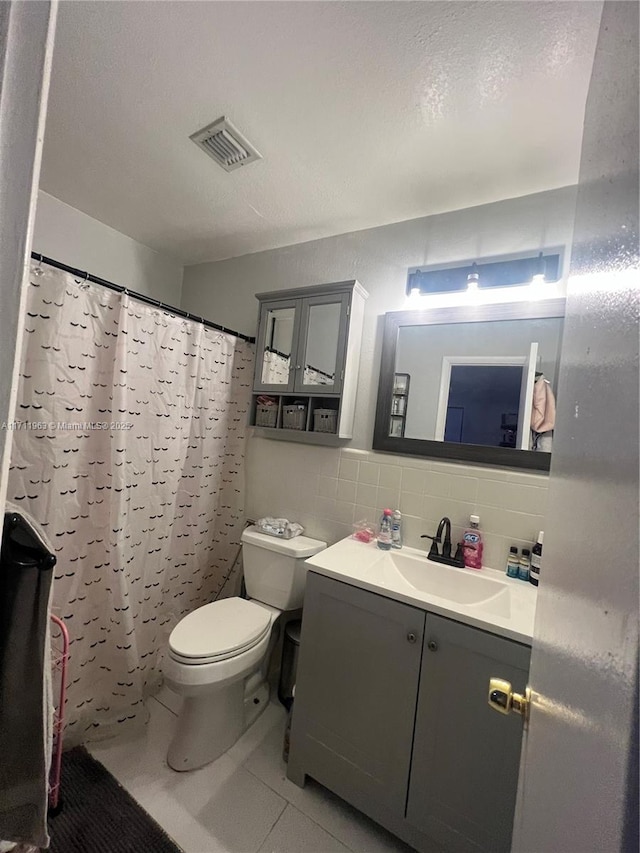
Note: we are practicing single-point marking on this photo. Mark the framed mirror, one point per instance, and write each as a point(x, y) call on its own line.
point(473, 383)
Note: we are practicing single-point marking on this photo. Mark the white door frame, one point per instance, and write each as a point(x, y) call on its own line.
point(27, 32)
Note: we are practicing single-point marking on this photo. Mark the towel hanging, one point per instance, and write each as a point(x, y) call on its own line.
point(26, 563)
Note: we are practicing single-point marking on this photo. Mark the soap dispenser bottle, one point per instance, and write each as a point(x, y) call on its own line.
point(472, 545)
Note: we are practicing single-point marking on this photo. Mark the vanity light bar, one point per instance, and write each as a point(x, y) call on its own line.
point(509, 271)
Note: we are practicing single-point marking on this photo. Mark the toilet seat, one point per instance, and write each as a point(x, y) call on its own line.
point(219, 631)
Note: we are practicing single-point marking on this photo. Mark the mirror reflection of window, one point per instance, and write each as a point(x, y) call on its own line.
point(276, 359)
point(322, 344)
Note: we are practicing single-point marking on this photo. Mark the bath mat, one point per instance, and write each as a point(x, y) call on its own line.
point(99, 816)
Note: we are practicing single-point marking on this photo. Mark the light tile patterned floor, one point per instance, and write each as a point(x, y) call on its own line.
point(243, 802)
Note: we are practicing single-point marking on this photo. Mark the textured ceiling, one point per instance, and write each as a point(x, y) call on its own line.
point(365, 113)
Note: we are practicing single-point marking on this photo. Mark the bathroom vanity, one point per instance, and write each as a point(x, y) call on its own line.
point(391, 708)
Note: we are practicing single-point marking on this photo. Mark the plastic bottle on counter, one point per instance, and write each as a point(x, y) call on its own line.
point(513, 562)
point(525, 565)
point(396, 529)
point(384, 531)
point(536, 559)
point(472, 545)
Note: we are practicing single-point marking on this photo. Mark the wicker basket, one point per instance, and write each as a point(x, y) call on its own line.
point(294, 417)
point(266, 416)
point(325, 420)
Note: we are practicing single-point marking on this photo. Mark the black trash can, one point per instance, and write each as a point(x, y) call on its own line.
point(290, 649)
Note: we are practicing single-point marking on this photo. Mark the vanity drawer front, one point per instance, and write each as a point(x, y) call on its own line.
point(466, 758)
point(356, 693)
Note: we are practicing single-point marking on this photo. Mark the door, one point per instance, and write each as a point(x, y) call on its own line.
point(579, 782)
point(464, 770)
point(277, 345)
point(26, 47)
point(322, 344)
point(356, 693)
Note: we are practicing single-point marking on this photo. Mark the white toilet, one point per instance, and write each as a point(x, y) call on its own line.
point(219, 654)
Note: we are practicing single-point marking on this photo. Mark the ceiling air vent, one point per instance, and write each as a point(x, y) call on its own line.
point(225, 144)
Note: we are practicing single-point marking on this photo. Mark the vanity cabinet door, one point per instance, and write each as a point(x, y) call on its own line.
point(356, 691)
point(466, 757)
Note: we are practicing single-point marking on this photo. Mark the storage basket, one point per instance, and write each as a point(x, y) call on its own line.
point(294, 416)
point(266, 416)
point(325, 420)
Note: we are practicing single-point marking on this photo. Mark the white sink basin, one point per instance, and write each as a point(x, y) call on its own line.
point(462, 586)
point(484, 598)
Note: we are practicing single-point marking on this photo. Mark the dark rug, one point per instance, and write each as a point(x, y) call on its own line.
point(99, 816)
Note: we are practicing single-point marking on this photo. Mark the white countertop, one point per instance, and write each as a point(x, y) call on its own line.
point(484, 598)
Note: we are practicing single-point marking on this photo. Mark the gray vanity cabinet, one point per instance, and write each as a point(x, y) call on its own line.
point(391, 714)
point(356, 693)
point(464, 771)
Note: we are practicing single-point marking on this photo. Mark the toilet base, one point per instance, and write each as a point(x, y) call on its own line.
point(210, 723)
point(256, 699)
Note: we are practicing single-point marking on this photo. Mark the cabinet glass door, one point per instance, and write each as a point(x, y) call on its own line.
point(276, 345)
point(322, 344)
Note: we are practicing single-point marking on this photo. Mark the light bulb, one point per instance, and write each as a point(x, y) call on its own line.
point(540, 271)
point(473, 279)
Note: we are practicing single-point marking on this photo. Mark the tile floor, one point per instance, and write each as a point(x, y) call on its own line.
point(243, 802)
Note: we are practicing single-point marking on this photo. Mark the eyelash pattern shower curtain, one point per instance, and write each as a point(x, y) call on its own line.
point(128, 448)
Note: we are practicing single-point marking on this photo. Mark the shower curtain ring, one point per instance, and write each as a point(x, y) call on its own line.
point(38, 270)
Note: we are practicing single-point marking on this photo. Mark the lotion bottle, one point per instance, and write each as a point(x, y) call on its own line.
point(472, 545)
point(396, 529)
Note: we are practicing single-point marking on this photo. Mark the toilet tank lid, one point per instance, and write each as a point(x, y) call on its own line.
point(298, 547)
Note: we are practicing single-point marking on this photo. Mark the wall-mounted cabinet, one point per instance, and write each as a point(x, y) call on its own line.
point(307, 357)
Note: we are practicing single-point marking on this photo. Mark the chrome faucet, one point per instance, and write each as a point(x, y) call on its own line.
point(444, 556)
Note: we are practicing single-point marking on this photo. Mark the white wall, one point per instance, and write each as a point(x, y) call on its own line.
point(68, 235)
point(379, 259)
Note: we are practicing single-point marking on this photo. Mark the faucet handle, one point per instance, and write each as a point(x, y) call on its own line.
point(435, 541)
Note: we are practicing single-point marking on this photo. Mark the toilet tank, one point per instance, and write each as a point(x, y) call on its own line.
point(274, 569)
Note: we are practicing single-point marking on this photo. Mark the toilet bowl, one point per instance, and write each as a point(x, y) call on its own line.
point(218, 655)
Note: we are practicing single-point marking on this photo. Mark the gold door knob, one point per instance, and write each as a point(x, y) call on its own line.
point(504, 700)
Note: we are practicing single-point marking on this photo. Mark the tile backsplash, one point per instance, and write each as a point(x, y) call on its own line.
point(328, 489)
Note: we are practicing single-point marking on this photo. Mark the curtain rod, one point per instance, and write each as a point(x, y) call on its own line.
point(85, 276)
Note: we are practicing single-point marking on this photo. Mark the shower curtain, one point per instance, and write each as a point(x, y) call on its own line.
point(128, 449)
